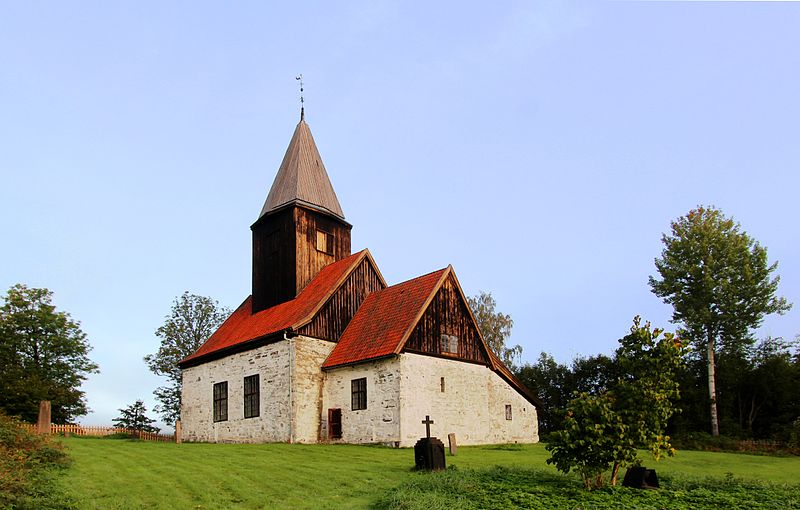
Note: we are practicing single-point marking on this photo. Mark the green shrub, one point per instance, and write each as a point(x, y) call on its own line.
point(28, 466)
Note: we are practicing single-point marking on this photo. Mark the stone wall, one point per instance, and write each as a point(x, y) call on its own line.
point(472, 405)
point(307, 388)
point(272, 363)
point(380, 421)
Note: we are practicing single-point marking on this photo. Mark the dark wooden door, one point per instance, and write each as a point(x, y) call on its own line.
point(335, 423)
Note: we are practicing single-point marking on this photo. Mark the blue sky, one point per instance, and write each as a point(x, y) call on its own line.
point(539, 147)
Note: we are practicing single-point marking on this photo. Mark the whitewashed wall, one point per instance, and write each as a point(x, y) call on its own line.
point(272, 363)
point(380, 421)
point(472, 405)
point(307, 388)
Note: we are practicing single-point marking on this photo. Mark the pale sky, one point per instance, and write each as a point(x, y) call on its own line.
point(540, 147)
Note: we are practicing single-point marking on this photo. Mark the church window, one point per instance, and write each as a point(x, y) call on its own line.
point(251, 394)
point(441, 382)
point(325, 242)
point(358, 389)
point(508, 411)
point(221, 401)
point(449, 344)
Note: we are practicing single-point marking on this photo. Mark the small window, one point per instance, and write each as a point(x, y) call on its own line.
point(441, 382)
point(449, 344)
point(359, 393)
point(221, 401)
point(251, 394)
point(325, 242)
point(508, 411)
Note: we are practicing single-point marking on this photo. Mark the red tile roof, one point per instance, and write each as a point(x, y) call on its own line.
point(243, 326)
point(385, 320)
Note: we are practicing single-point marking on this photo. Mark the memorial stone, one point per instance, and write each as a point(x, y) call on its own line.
point(429, 451)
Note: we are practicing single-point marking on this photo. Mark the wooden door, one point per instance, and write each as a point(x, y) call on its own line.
point(334, 423)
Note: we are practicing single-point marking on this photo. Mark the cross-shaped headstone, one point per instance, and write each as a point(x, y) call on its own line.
point(428, 422)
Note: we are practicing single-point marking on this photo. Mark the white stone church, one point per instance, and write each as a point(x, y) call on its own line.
point(325, 351)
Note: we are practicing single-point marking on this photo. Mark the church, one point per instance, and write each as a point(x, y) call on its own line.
point(324, 350)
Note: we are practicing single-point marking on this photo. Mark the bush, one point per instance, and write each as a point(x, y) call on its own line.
point(28, 466)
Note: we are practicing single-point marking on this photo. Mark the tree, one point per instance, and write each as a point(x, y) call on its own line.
point(134, 418)
point(44, 356)
point(719, 284)
point(592, 438)
point(192, 320)
point(604, 431)
point(495, 328)
point(646, 389)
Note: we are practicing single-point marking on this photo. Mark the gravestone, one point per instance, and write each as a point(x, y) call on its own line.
point(43, 425)
point(178, 431)
point(429, 451)
point(451, 438)
point(640, 478)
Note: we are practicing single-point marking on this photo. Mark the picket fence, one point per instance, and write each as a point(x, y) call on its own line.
point(81, 430)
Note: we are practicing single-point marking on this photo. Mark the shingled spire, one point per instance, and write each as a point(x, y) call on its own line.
point(302, 178)
point(301, 228)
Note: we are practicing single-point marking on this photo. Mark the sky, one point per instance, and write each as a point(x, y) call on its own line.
point(541, 148)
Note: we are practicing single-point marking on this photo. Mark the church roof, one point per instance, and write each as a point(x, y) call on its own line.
point(244, 327)
point(385, 320)
point(302, 178)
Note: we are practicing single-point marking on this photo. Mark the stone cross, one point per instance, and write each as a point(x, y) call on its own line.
point(428, 422)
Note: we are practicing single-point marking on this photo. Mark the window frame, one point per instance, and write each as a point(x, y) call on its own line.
point(252, 396)
point(448, 344)
point(508, 412)
point(358, 394)
point(328, 236)
point(220, 401)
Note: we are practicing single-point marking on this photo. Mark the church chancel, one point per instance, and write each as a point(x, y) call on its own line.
point(324, 350)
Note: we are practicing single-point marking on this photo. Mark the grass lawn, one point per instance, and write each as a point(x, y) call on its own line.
point(128, 474)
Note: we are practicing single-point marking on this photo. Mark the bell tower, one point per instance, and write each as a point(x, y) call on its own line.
point(301, 228)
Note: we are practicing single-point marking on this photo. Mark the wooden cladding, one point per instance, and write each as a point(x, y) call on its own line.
point(286, 254)
point(332, 319)
point(447, 315)
point(309, 258)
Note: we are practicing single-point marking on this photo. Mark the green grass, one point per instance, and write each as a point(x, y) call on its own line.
point(120, 474)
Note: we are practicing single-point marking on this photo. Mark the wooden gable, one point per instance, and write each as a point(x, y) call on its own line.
point(333, 317)
point(447, 327)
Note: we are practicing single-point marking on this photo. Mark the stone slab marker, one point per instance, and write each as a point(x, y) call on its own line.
point(43, 425)
point(178, 432)
point(451, 438)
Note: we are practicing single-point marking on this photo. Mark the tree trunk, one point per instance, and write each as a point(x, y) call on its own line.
point(614, 473)
point(712, 387)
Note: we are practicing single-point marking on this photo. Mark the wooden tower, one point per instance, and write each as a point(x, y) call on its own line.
point(301, 228)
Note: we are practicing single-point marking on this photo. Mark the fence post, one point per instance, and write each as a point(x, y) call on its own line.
point(43, 425)
point(178, 438)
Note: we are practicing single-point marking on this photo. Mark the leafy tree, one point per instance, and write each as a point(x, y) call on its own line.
point(134, 418)
point(495, 327)
point(592, 438)
point(552, 382)
point(719, 283)
point(604, 430)
point(647, 387)
point(192, 320)
point(44, 356)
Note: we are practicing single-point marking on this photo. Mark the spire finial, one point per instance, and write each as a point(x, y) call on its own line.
point(302, 107)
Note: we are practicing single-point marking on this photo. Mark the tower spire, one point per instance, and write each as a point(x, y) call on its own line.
point(302, 106)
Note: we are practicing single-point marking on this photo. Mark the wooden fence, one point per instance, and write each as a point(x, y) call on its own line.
point(81, 430)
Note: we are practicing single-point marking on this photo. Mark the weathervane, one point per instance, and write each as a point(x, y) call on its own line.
point(302, 108)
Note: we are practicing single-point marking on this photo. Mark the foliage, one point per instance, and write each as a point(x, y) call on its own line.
point(502, 487)
point(28, 465)
point(143, 474)
point(44, 355)
point(647, 389)
point(593, 437)
point(495, 327)
point(602, 430)
point(719, 283)
point(191, 321)
point(134, 418)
